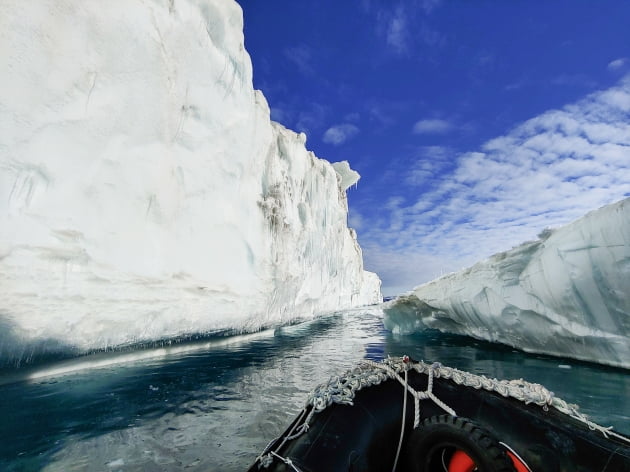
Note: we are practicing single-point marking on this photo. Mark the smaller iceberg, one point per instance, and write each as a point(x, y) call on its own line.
point(566, 294)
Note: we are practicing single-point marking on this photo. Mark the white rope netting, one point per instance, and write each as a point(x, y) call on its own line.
point(342, 389)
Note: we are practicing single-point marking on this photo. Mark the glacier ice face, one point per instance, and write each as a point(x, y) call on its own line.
point(567, 294)
point(145, 193)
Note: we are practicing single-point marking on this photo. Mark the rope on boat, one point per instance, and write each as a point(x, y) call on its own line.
point(518, 389)
point(266, 457)
point(287, 461)
point(394, 373)
point(402, 426)
point(342, 389)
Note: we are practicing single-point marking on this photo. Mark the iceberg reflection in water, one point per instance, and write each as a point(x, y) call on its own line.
point(214, 404)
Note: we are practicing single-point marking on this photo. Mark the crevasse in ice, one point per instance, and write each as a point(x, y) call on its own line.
point(144, 192)
point(566, 294)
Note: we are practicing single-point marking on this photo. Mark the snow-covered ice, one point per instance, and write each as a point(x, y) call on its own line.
point(145, 193)
point(566, 294)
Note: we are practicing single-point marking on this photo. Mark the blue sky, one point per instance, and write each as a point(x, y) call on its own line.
point(474, 124)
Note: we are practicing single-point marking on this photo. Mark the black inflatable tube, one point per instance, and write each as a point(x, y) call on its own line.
point(364, 437)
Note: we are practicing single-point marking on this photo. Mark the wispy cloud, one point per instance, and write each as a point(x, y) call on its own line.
point(312, 119)
point(280, 115)
point(301, 56)
point(405, 24)
point(355, 220)
point(433, 126)
point(431, 162)
point(618, 64)
point(339, 134)
point(397, 34)
point(516, 85)
point(426, 5)
point(430, 5)
point(383, 112)
point(574, 80)
point(543, 173)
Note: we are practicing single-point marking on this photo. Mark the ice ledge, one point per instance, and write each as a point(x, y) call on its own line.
point(347, 176)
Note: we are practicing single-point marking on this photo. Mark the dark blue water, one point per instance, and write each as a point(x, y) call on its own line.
point(213, 405)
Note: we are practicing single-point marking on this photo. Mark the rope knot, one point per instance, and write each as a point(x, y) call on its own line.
point(266, 460)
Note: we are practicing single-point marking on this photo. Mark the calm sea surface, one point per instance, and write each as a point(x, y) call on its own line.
point(212, 405)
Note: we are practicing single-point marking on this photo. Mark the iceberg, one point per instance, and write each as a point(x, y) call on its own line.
point(144, 192)
point(566, 294)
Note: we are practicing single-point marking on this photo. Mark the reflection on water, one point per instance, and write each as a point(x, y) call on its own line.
point(214, 405)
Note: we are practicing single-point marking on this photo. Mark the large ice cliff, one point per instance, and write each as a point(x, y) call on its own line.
point(144, 192)
point(566, 294)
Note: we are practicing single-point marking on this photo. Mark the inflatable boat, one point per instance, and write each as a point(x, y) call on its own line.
point(402, 415)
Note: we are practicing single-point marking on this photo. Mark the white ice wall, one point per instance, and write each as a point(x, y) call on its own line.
point(567, 294)
point(144, 192)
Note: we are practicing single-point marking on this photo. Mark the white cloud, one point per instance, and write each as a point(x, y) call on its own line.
point(339, 134)
point(398, 269)
point(546, 172)
point(432, 127)
point(617, 63)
